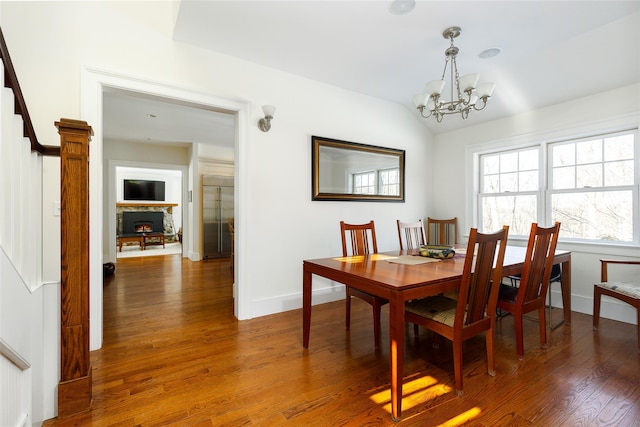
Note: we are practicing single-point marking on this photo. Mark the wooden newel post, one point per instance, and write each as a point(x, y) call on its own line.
point(74, 389)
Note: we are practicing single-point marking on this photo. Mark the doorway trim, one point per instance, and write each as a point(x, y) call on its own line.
point(93, 84)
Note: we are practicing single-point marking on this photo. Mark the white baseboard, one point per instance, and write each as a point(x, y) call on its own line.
point(610, 308)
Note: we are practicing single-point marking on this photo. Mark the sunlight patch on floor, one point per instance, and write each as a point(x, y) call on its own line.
point(462, 418)
point(414, 392)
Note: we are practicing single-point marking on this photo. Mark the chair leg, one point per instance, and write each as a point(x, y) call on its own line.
point(491, 361)
point(638, 323)
point(457, 366)
point(519, 335)
point(597, 296)
point(542, 321)
point(348, 315)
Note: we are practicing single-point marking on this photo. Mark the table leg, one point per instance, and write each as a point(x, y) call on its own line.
point(306, 306)
point(566, 291)
point(396, 335)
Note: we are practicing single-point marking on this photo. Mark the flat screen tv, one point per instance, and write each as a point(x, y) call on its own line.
point(136, 189)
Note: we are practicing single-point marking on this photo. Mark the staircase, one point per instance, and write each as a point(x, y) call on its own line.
point(20, 248)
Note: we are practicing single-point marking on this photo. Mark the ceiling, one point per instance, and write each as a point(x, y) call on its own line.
point(551, 52)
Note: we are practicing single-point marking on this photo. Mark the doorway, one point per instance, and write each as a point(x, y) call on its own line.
point(95, 85)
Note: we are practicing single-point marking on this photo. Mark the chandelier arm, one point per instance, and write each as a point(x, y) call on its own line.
point(484, 104)
point(422, 108)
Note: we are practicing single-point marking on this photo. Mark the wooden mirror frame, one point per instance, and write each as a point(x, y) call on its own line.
point(351, 148)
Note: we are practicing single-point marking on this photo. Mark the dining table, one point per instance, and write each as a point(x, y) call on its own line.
point(400, 276)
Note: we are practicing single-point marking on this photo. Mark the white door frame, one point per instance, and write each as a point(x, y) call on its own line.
point(93, 84)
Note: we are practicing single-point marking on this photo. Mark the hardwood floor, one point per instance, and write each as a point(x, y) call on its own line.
point(174, 354)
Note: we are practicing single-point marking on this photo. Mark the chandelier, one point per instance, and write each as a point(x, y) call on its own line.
point(464, 94)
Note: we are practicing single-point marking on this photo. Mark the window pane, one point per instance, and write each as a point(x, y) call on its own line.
point(491, 184)
point(528, 181)
point(528, 160)
point(518, 212)
point(491, 164)
point(564, 155)
point(589, 151)
point(618, 148)
point(509, 182)
point(589, 176)
point(618, 173)
point(597, 215)
point(508, 162)
point(564, 177)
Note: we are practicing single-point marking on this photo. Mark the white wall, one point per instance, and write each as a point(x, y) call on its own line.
point(578, 117)
point(134, 39)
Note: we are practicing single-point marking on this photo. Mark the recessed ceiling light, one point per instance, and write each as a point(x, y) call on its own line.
point(401, 7)
point(489, 53)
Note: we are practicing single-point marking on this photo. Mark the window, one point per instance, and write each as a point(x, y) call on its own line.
point(587, 184)
point(388, 182)
point(592, 187)
point(509, 190)
point(364, 183)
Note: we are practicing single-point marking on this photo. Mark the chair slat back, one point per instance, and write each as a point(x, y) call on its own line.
point(538, 264)
point(442, 231)
point(361, 238)
point(481, 276)
point(413, 233)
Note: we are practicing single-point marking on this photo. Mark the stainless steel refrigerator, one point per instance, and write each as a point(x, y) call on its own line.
point(217, 209)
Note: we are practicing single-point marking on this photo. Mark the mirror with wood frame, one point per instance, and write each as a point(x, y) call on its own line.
point(349, 171)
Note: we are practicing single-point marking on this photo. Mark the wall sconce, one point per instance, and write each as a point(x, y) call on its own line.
point(264, 124)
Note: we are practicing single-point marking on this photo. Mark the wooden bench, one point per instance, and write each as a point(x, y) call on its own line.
point(130, 238)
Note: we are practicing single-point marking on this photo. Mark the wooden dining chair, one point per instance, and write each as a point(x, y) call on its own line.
point(442, 231)
point(556, 277)
point(360, 239)
point(531, 294)
point(413, 233)
point(628, 292)
point(474, 311)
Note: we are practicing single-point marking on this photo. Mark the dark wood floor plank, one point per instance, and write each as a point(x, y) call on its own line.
point(173, 354)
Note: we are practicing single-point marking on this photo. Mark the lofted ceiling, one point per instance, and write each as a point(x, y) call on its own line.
point(551, 52)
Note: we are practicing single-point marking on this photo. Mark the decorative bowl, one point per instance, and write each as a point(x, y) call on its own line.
point(437, 251)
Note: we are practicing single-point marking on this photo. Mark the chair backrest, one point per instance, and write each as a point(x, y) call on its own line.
point(481, 277)
point(361, 238)
point(413, 234)
point(442, 231)
point(538, 263)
